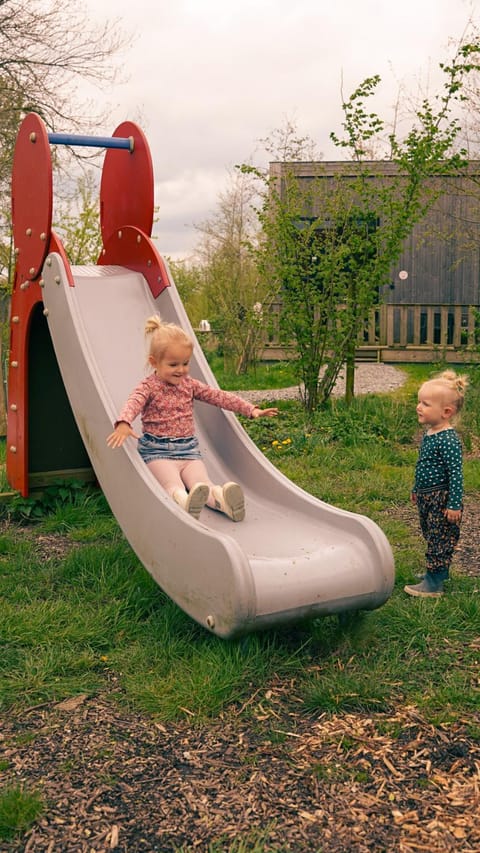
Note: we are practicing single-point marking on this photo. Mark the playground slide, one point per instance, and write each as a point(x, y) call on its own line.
point(293, 556)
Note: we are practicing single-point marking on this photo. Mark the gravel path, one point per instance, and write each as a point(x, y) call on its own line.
point(369, 379)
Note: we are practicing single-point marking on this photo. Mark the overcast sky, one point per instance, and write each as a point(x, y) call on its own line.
point(207, 79)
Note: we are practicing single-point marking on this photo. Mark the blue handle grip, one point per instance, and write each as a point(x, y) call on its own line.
point(91, 141)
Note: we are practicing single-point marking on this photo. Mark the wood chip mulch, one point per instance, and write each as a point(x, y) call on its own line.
point(118, 781)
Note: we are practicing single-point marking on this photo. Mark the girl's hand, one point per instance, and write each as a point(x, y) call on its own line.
point(264, 413)
point(454, 516)
point(413, 497)
point(121, 432)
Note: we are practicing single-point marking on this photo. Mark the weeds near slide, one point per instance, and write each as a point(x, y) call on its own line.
point(79, 614)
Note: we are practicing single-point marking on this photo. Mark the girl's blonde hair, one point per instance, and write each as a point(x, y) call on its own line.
point(160, 335)
point(453, 385)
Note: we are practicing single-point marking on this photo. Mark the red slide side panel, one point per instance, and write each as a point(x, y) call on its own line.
point(31, 197)
point(126, 189)
point(130, 247)
point(24, 300)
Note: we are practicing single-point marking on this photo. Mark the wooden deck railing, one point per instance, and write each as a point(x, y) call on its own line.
point(407, 333)
point(422, 325)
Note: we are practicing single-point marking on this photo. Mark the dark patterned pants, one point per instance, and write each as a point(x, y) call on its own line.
point(440, 534)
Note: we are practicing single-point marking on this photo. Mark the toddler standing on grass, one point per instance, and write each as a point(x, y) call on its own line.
point(168, 445)
point(438, 488)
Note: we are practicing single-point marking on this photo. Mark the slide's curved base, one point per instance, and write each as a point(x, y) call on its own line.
point(293, 556)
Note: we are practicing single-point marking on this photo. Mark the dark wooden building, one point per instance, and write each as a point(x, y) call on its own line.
point(428, 307)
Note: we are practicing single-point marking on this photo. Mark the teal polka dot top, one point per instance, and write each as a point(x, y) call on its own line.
point(439, 466)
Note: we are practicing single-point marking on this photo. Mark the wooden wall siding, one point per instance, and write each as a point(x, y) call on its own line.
point(442, 254)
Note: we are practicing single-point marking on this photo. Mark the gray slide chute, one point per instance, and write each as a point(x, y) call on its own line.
point(293, 557)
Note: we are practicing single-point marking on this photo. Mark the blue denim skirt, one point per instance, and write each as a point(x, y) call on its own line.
point(151, 447)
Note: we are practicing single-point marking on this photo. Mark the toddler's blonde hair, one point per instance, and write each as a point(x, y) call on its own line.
point(453, 385)
point(160, 335)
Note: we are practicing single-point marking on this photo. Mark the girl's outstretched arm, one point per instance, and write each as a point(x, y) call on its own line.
point(265, 413)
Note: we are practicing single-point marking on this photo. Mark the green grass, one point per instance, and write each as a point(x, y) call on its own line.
point(90, 617)
point(264, 375)
point(19, 809)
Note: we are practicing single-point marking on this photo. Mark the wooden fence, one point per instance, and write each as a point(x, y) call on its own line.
point(395, 333)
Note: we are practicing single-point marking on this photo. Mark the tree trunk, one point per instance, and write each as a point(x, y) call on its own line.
point(350, 377)
point(3, 411)
point(4, 310)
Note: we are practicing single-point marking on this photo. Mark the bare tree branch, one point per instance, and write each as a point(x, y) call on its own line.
point(46, 51)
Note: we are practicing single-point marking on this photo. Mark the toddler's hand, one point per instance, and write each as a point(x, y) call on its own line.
point(121, 432)
point(265, 413)
point(454, 516)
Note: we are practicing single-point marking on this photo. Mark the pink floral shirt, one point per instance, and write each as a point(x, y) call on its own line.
point(167, 410)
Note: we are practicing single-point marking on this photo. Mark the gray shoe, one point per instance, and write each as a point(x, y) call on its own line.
point(430, 587)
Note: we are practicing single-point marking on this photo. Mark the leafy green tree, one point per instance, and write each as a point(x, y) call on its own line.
point(189, 278)
point(330, 242)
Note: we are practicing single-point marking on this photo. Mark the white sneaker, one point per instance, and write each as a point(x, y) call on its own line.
point(230, 500)
point(194, 500)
